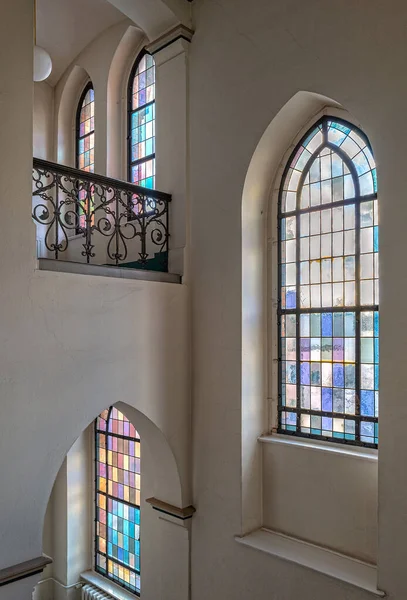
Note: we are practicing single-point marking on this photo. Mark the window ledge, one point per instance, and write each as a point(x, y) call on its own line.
point(107, 586)
point(64, 266)
point(316, 558)
point(321, 446)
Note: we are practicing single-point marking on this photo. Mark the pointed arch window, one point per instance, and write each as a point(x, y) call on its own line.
point(141, 133)
point(85, 152)
point(85, 130)
point(328, 287)
point(117, 498)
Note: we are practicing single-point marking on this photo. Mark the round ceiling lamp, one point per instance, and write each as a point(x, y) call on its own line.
point(42, 60)
point(42, 64)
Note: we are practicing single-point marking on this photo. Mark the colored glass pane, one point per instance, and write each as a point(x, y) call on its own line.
point(329, 292)
point(85, 150)
point(118, 499)
point(142, 123)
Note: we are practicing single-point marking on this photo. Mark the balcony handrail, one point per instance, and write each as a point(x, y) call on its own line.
point(80, 215)
point(103, 179)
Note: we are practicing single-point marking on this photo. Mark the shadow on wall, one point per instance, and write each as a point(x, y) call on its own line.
point(262, 177)
point(68, 522)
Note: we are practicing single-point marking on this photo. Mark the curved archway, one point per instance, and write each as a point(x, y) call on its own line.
point(67, 522)
point(166, 474)
point(127, 50)
point(66, 108)
point(265, 169)
point(170, 487)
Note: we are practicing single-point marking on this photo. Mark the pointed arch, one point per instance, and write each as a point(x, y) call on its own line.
point(117, 499)
point(328, 287)
point(85, 130)
point(141, 121)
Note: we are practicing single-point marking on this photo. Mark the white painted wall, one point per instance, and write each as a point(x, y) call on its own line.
point(247, 61)
point(43, 140)
point(324, 498)
point(70, 344)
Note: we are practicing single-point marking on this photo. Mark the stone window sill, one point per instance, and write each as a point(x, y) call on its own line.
point(330, 447)
point(350, 570)
point(64, 266)
point(109, 587)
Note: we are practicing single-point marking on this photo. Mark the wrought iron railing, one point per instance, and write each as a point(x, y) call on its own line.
point(84, 217)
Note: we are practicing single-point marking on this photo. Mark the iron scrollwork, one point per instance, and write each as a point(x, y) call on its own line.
point(123, 223)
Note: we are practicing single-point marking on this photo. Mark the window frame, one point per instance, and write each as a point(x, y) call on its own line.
point(96, 551)
point(275, 326)
point(78, 137)
point(131, 111)
point(89, 86)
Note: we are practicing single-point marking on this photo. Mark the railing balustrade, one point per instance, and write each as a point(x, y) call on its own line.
point(84, 217)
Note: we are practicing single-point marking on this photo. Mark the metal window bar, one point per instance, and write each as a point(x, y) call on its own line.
point(106, 433)
point(132, 111)
point(357, 308)
point(125, 224)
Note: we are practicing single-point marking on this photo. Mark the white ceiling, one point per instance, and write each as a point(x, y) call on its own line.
point(65, 27)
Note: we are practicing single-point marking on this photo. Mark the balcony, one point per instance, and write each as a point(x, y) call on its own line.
point(95, 220)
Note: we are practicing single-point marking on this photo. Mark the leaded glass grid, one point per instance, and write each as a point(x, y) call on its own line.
point(141, 149)
point(85, 157)
point(328, 310)
point(117, 498)
point(85, 147)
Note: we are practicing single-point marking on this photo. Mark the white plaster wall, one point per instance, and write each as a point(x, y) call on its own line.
point(125, 341)
point(69, 530)
point(43, 136)
point(324, 498)
point(172, 156)
point(70, 345)
point(247, 61)
point(20, 590)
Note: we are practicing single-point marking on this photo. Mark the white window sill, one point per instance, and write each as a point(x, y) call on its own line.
point(107, 586)
point(322, 560)
point(321, 446)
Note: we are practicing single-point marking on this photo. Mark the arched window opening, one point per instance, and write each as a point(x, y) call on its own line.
point(85, 150)
point(141, 134)
point(328, 287)
point(117, 498)
point(85, 130)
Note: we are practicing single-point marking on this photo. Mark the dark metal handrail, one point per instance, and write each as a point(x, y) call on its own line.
point(102, 179)
point(123, 223)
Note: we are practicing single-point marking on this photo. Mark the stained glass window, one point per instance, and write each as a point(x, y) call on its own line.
point(329, 292)
point(117, 535)
point(142, 122)
point(85, 156)
point(85, 149)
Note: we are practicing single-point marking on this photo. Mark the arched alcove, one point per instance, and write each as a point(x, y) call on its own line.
point(119, 72)
point(68, 522)
point(170, 488)
point(264, 169)
point(65, 113)
point(166, 474)
point(266, 496)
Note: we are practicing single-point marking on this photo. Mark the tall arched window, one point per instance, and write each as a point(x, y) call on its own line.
point(117, 490)
point(85, 130)
point(328, 282)
point(141, 134)
point(85, 150)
